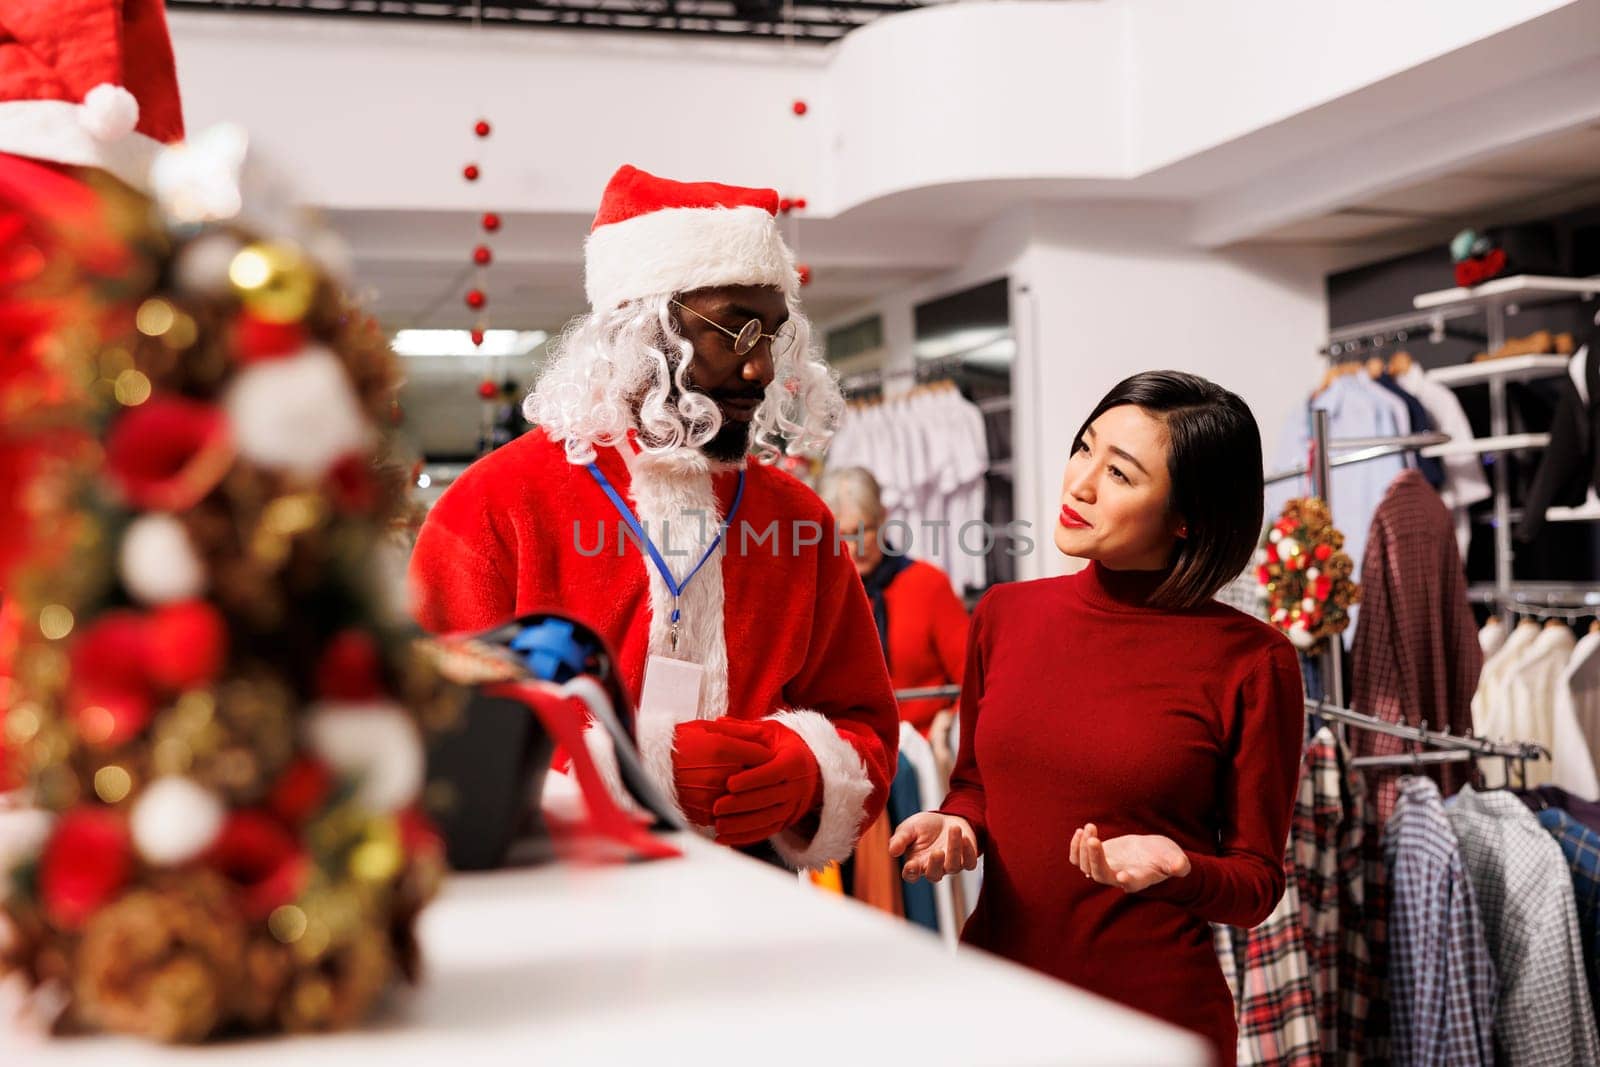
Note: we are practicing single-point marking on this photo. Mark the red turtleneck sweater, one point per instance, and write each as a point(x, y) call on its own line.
point(1083, 705)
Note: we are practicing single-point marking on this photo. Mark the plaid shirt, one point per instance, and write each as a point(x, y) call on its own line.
point(1530, 918)
point(1341, 895)
point(1582, 848)
point(1277, 1006)
point(1442, 979)
point(1415, 654)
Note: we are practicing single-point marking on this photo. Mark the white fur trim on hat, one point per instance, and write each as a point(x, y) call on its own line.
point(677, 250)
point(845, 791)
point(57, 131)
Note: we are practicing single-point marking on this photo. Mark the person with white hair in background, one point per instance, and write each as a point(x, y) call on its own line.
point(921, 622)
point(740, 626)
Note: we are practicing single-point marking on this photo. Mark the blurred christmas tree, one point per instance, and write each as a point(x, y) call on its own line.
point(214, 716)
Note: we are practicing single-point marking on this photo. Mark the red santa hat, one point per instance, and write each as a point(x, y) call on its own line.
point(88, 82)
point(653, 235)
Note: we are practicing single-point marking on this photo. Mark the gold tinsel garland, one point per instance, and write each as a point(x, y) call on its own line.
point(1304, 574)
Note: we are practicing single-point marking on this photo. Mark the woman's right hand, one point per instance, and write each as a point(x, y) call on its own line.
point(934, 845)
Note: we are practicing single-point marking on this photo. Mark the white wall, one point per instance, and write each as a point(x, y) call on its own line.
point(379, 116)
point(1100, 292)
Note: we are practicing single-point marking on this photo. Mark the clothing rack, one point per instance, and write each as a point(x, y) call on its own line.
point(1543, 600)
point(1454, 748)
point(925, 370)
point(1368, 448)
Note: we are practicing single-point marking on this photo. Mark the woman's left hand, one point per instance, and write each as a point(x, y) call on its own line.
point(1132, 863)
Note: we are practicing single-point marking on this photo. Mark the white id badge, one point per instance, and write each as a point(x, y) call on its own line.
point(671, 690)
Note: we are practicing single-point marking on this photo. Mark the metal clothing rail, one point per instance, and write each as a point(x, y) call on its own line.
point(1368, 448)
point(1469, 746)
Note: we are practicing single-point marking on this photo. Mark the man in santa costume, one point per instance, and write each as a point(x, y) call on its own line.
point(765, 708)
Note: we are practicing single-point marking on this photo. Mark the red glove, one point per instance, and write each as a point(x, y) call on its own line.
point(772, 797)
point(703, 760)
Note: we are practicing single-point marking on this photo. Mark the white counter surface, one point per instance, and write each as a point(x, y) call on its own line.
point(708, 960)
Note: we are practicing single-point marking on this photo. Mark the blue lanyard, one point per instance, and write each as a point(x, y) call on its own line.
point(632, 520)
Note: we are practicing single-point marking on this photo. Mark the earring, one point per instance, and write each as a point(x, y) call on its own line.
point(1183, 531)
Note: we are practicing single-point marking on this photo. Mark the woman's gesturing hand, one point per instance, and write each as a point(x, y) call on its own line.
point(934, 845)
point(1132, 863)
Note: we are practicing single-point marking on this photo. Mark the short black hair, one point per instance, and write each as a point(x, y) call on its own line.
point(1214, 458)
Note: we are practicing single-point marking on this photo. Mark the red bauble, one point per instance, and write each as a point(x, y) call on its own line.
point(482, 129)
point(1263, 575)
point(488, 390)
point(84, 865)
point(482, 256)
point(257, 339)
point(801, 107)
point(262, 859)
point(351, 668)
point(168, 453)
point(804, 270)
point(476, 299)
point(491, 221)
point(470, 172)
point(300, 791)
point(418, 835)
point(188, 643)
point(112, 696)
point(1494, 263)
point(1322, 587)
point(477, 337)
point(1322, 553)
point(353, 485)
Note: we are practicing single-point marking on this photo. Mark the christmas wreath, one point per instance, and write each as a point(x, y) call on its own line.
point(1304, 574)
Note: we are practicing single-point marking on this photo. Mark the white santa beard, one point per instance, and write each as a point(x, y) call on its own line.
point(673, 497)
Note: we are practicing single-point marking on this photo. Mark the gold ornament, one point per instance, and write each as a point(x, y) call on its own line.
point(275, 281)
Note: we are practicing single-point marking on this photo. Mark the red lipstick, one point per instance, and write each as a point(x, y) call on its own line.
point(1072, 520)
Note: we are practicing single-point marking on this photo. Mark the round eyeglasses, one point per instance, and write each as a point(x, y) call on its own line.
point(746, 339)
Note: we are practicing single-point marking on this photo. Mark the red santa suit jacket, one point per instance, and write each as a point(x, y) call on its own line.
point(778, 617)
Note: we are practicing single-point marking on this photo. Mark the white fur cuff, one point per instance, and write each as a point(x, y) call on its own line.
point(845, 791)
point(678, 250)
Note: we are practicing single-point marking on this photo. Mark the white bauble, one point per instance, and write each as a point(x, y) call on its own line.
point(297, 414)
point(158, 563)
point(174, 820)
point(202, 267)
point(377, 744)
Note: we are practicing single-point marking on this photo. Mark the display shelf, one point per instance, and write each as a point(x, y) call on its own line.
point(1510, 442)
point(1511, 369)
point(709, 959)
point(1589, 511)
point(1502, 291)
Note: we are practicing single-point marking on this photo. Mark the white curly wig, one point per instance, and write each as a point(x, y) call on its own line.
point(605, 358)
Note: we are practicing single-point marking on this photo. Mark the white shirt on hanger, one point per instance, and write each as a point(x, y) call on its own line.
point(1492, 637)
point(1531, 689)
point(1491, 704)
point(1578, 704)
